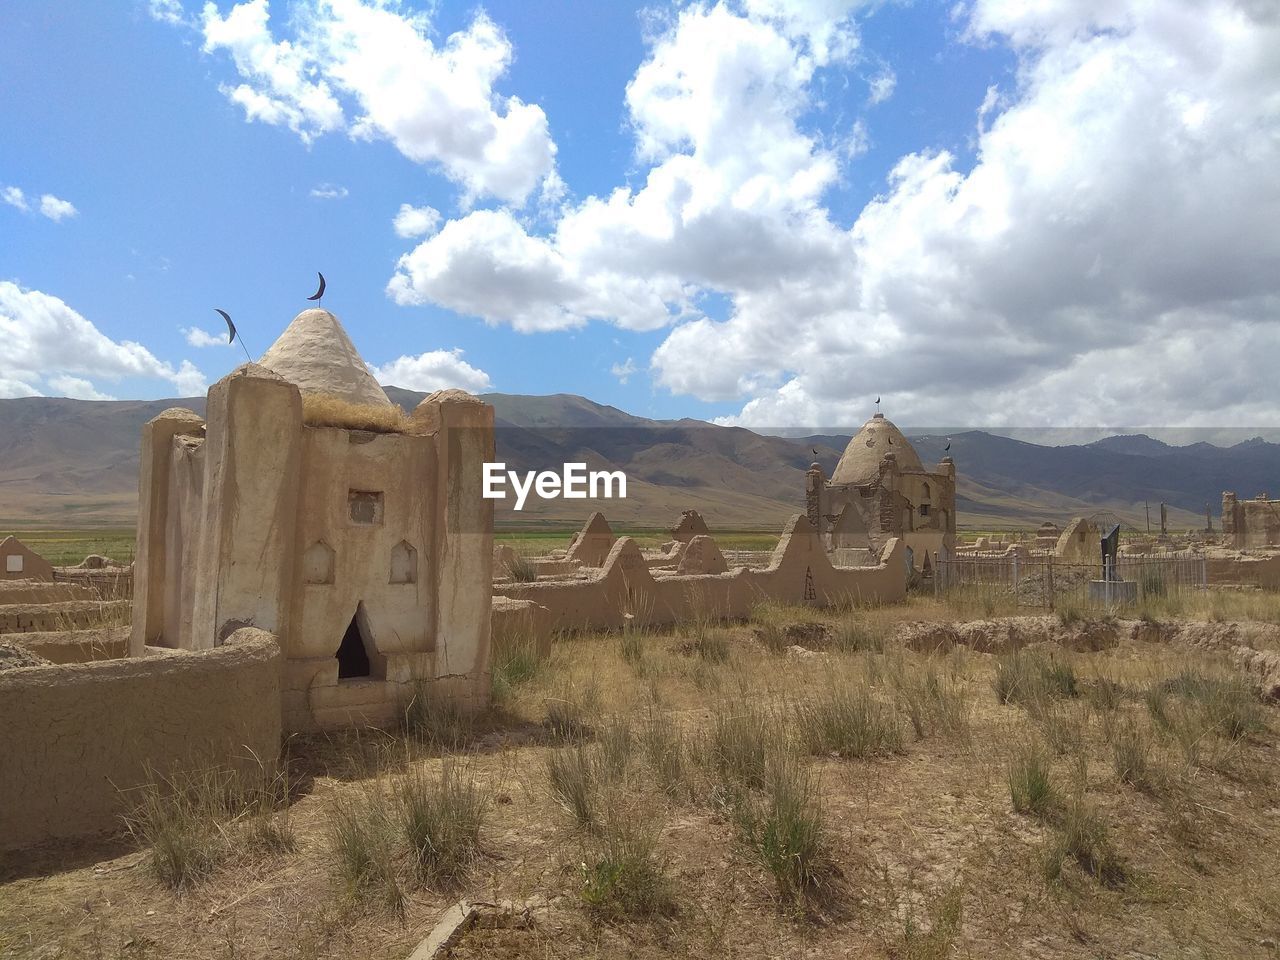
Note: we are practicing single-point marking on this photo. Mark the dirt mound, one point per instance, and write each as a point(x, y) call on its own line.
point(1209, 635)
point(1011, 633)
point(798, 633)
point(1262, 667)
point(13, 656)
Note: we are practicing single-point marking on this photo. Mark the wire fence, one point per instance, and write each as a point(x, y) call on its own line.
point(1047, 583)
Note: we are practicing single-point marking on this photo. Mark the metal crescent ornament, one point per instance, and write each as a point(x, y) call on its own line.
point(231, 327)
point(320, 292)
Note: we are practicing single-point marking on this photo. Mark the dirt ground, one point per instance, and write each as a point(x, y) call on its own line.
point(920, 852)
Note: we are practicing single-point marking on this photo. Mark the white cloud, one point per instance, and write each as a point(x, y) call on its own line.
point(55, 209)
point(281, 91)
point(16, 388)
point(202, 338)
point(14, 197)
point(1110, 256)
point(731, 201)
point(416, 221)
point(329, 191)
point(881, 86)
point(46, 340)
point(434, 370)
point(77, 388)
point(49, 206)
point(825, 27)
point(166, 11)
point(375, 72)
point(624, 370)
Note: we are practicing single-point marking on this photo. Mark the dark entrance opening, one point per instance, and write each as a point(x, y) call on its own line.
point(353, 658)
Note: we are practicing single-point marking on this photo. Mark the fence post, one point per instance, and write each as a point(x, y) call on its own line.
point(1048, 589)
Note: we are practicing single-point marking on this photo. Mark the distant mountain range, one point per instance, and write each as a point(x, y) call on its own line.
point(75, 462)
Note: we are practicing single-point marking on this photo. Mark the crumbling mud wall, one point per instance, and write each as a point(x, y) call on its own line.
point(1263, 572)
point(65, 615)
point(78, 737)
point(625, 592)
point(36, 591)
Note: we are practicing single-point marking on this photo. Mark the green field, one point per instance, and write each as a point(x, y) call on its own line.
point(65, 548)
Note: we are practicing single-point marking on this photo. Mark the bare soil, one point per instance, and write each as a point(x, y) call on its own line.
point(904, 834)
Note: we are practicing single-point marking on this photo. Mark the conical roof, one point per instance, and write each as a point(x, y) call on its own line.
point(861, 460)
point(315, 353)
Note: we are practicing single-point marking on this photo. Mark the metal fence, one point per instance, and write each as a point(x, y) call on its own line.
point(1048, 583)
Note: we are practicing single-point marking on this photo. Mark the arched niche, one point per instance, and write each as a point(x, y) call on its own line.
point(404, 563)
point(317, 563)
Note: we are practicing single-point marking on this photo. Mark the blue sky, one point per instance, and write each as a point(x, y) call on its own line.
point(924, 202)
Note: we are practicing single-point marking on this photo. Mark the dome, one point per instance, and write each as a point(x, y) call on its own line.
point(860, 463)
point(315, 353)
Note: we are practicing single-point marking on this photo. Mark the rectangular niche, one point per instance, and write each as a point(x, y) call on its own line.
point(13, 563)
point(365, 507)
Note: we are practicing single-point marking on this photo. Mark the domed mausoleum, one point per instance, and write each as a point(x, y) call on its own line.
point(880, 490)
point(308, 506)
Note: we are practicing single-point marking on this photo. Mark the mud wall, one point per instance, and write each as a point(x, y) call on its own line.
point(65, 615)
point(1262, 571)
point(78, 737)
point(625, 591)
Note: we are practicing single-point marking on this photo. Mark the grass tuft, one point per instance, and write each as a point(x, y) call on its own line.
point(784, 828)
point(441, 818)
point(622, 875)
point(1083, 835)
point(362, 847)
point(934, 943)
point(574, 779)
point(435, 720)
point(1030, 781)
point(193, 820)
point(1131, 750)
point(848, 721)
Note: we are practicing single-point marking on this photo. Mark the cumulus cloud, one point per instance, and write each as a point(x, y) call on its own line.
point(203, 338)
point(48, 206)
point(329, 191)
point(413, 221)
point(730, 201)
point(14, 197)
point(55, 209)
point(1110, 253)
point(373, 71)
point(46, 340)
point(434, 370)
point(624, 370)
point(1109, 256)
point(77, 388)
point(881, 86)
point(167, 11)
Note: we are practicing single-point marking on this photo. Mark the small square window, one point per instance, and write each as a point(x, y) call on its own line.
point(13, 563)
point(924, 509)
point(365, 506)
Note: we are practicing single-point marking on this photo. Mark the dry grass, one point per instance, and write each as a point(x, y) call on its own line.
point(861, 800)
point(319, 410)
